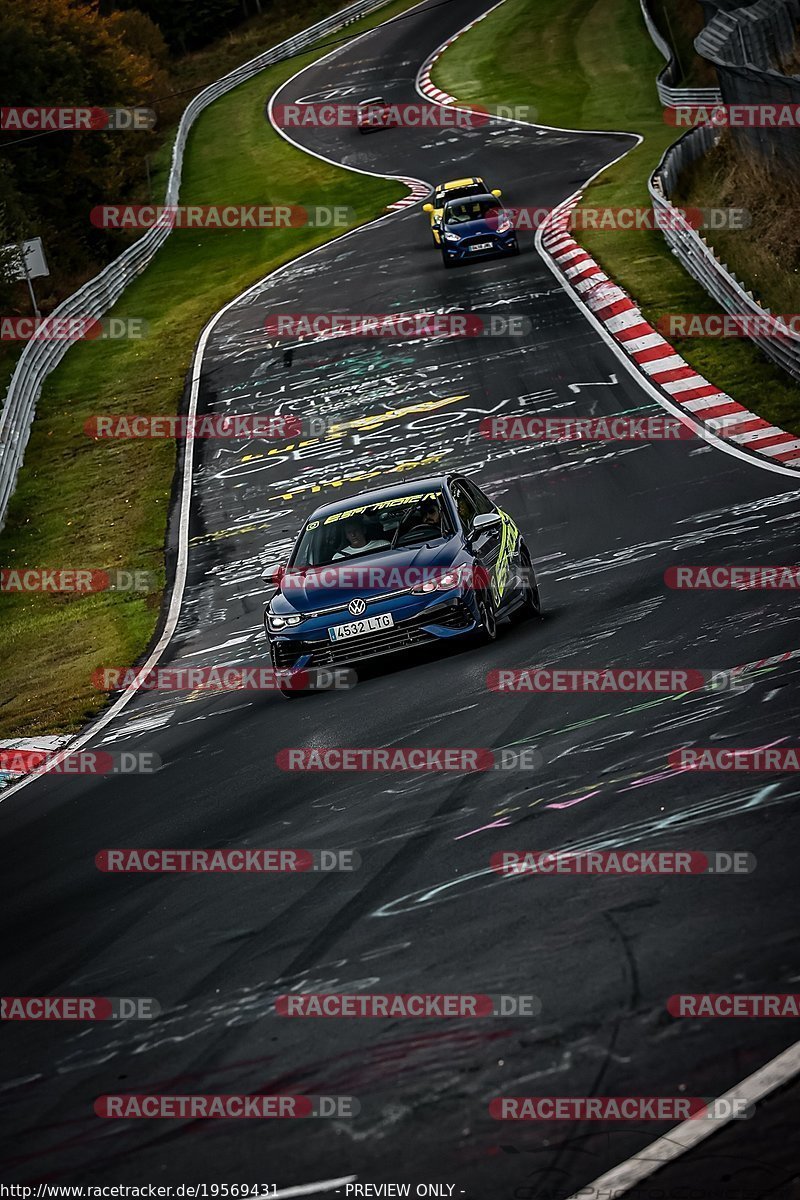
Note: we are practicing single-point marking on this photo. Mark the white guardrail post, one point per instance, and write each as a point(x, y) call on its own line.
point(96, 297)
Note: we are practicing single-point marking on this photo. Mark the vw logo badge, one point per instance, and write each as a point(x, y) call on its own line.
point(357, 607)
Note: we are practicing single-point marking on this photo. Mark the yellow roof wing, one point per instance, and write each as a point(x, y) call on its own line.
point(454, 183)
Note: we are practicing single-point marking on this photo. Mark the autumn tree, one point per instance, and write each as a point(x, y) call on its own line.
point(189, 24)
point(58, 53)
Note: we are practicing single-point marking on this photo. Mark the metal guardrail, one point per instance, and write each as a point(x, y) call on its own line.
point(759, 33)
point(700, 259)
point(98, 295)
point(673, 97)
point(743, 43)
point(748, 47)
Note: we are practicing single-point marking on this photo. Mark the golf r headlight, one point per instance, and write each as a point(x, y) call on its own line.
point(440, 583)
point(276, 622)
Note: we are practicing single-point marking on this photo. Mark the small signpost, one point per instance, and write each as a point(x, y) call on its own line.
point(27, 261)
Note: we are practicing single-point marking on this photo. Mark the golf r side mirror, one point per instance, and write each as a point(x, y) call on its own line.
point(427, 208)
point(273, 573)
point(485, 521)
point(496, 192)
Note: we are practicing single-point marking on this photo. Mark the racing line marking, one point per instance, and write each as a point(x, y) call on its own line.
point(612, 382)
point(309, 1189)
point(778, 1072)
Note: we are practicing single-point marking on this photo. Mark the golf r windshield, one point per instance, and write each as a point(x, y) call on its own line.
point(372, 529)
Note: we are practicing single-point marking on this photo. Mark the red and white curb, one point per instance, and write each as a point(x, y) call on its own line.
point(653, 354)
point(419, 190)
point(426, 86)
point(774, 661)
point(424, 82)
point(764, 664)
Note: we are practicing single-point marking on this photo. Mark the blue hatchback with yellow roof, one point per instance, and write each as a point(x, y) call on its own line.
point(456, 189)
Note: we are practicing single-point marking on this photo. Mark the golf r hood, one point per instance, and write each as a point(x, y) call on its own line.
point(313, 588)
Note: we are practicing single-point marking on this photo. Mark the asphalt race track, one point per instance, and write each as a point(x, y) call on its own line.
point(425, 912)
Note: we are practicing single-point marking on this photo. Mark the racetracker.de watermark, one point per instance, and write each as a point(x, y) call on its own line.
point(619, 1108)
point(734, 116)
point(204, 1107)
point(583, 219)
point(623, 862)
point(731, 1004)
point(363, 578)
point(404, 325)
point(79, 581)
point(331, 114)
point(221, 216)
point(233, 860)
point(711, 577)
point(626, 680)
point(75, 119)
point(225, 679)
point(585, 429)
point(78, 1008)
point(79, 762)
point(210, 425)
point(72, 329)
point(717, 758)
point(396, 1004)
point(781, 326)
point(419, 758)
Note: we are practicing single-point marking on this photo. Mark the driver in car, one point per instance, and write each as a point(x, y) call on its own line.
point(431, 514)
point(356, 540)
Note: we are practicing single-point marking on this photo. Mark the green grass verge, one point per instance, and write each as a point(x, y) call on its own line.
point(590, 64)
point(104, 504)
